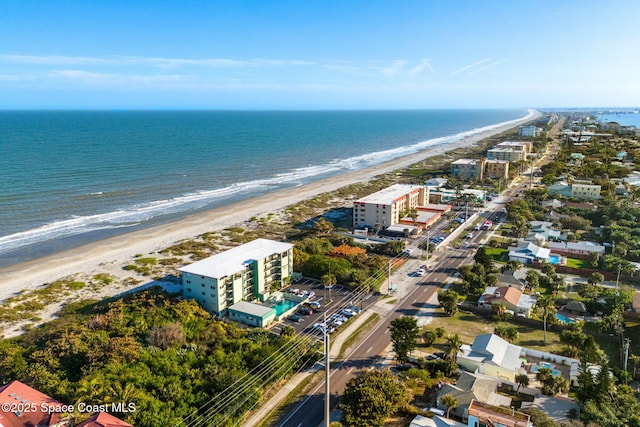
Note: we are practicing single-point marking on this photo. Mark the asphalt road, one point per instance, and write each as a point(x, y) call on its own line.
point(310, 410)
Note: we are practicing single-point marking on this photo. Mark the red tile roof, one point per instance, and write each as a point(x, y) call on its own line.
point(26, 407)
point(102, 419)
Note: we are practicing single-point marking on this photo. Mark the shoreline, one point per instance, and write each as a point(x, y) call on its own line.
point(92, 257)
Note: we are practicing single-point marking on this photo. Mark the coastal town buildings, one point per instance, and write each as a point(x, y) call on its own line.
point(467, 169)
point(529, 131)
point(483, 414)
point(579, 189)
point(247, 272)
point(103, 419)
point(511, 297)
point(388, 206)
point(526, 146)
point(497, 169)
point(30, 407)
point(506, 154)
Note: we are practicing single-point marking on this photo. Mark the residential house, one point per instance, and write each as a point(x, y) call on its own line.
point(576, 307)
point(529, 131)
point(582, 249)
point(103, 419)
point(247, 272)
point(560, 188)
point(512, 278)
point(483, 414)
point(527, 252)
point(436, 421)
point(510, 296)
point(445, 195)
point(585, 190)
point(496, 169)
point(470, 387)
point(491, 355)
point(386, 207)
point(467, 169)
point(559, 409)
point(542, 231)
point(26, 406)
point(552, 204)
point(436, 182)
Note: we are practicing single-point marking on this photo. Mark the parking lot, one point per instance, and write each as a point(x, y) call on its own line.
point(331, 301)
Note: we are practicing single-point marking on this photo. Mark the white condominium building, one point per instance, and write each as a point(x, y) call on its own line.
point(247, 272)
point(387, 207)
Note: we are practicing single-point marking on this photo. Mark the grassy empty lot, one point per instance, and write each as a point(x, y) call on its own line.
point(468, 325)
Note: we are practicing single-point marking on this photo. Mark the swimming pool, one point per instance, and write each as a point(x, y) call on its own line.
point(564, 319)
point(554, 259)
point(284, 305)
point(546, 365)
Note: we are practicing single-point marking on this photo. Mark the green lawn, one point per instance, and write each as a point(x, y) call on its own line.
point(498, 254)
point(468, 326)
point(576, 263)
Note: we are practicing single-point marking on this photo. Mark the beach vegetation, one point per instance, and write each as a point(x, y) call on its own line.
point(168, 355)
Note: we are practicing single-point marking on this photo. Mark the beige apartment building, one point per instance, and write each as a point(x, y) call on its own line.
point(506, 154)
point(467, 169)
point(496, 169)
point(526, 146)
point(247, 272)
point(386, 207)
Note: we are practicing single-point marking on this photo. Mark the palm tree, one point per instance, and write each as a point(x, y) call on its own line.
point(454, 343)
point(546, 308)
point(449, 401)
point(521, 380)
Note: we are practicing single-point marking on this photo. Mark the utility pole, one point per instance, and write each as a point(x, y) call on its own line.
point(626, 353)
point(327, 367)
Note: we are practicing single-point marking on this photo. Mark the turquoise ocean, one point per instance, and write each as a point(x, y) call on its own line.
point(71, 177)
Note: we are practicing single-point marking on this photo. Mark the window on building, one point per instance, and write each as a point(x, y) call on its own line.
point(188, 289)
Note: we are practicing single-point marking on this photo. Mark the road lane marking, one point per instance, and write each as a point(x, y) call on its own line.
point(350, 370)
point(370, 348)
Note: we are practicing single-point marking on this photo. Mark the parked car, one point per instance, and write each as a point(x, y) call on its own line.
point(421, 272)
point(295, 318)
point(354, 308)
point(305, 310)
point(315, 305)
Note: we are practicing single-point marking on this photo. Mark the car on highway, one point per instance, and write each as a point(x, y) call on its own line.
point(421, 272)
point(469, 236)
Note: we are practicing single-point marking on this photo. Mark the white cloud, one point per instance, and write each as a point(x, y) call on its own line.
point(393, 69)
point(470, 66)
point(424, 64)
point(493, 64)
point(161, 62)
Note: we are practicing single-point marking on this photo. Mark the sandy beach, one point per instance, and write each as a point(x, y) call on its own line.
point(120, 250)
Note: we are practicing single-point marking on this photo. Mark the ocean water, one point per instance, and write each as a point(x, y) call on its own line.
point(68, 177)
point(625, 119)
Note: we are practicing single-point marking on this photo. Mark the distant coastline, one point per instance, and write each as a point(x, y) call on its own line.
point(118, 250)
point(105, 194)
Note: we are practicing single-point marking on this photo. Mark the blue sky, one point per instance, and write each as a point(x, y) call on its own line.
point(318, 54)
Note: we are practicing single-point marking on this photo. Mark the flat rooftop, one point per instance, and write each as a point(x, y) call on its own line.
point(388, 195)
point(234, 260)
